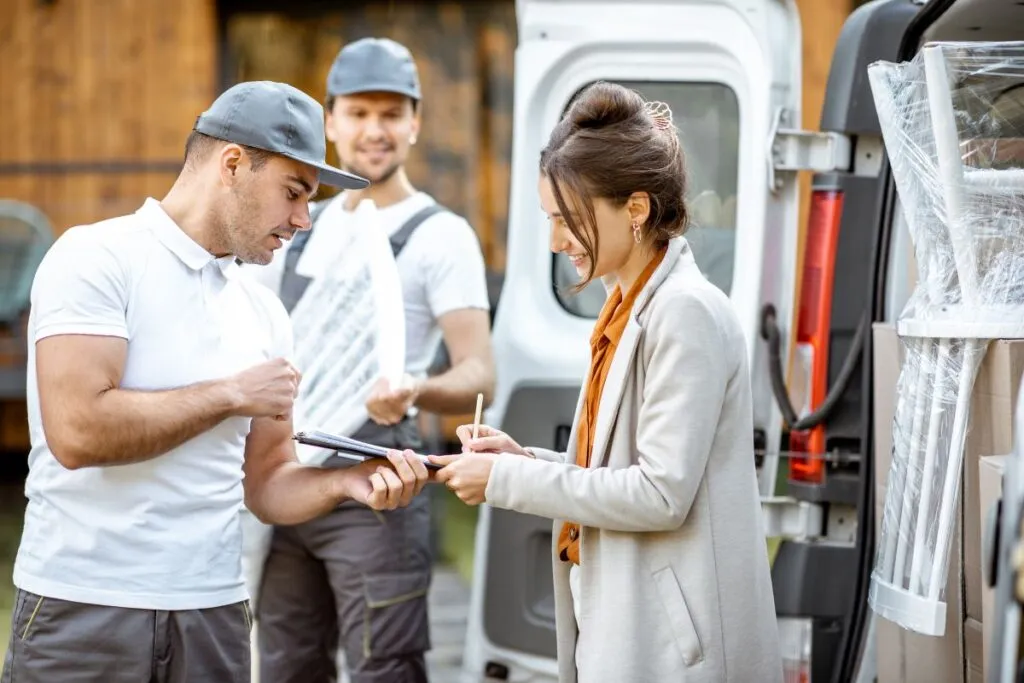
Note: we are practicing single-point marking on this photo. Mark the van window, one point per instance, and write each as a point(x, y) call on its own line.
point(707, 118)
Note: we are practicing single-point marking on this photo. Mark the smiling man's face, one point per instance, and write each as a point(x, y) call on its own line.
point(373, 133)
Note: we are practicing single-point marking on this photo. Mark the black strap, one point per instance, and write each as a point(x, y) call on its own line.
point(293, 285)
point(403, 234)
point(318, 208)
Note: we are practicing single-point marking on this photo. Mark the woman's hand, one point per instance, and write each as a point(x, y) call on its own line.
point(489, 440)
point(466, 474)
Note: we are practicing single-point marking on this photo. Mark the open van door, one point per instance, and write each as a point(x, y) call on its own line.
point(730, 71)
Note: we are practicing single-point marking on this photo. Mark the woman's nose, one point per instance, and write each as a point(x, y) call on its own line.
point(558, 242)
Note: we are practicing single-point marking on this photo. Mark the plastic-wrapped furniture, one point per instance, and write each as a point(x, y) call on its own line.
point(951, 122)
point(25, 235)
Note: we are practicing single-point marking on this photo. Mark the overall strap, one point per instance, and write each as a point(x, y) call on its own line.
point(403, 234)
point(293, 285)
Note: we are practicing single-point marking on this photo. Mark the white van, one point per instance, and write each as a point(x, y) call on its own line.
point(730, 70)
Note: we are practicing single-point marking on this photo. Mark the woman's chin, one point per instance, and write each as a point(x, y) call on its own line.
point(583, 272)
point(582, 268)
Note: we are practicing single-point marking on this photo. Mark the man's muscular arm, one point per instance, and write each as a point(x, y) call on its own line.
point(90, 421)
point(467, 335)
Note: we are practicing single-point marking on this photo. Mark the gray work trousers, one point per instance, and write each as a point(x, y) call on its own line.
point(69, 642)
point(356, 579)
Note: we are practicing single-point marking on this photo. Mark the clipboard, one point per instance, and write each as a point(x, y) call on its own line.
point(348, 448)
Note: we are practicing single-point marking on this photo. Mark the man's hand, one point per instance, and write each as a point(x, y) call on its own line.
point(387, 405)
point(466, 474)
point(267, 389)
point(383, 487)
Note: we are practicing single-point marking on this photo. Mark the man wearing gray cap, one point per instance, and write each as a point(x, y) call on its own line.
point(377, 567)
point(160, 395)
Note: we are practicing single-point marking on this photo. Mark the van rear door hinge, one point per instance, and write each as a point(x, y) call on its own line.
point(792, 150)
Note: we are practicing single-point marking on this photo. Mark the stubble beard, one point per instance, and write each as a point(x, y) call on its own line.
point(385, 176)
point(237, 233)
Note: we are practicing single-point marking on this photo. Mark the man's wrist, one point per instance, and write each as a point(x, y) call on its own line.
point(227, 397)
point(417, 384)
point(340, 488)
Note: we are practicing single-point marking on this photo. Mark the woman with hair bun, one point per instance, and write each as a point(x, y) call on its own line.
point(661, 569)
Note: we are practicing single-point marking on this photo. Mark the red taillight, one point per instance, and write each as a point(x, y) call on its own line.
point(812, 330)
point(796, 645)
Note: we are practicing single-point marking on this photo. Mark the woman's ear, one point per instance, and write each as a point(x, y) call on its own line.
point(639, 207)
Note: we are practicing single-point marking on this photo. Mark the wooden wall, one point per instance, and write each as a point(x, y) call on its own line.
point(97, 97)
point(464, 51)
point(96, 100)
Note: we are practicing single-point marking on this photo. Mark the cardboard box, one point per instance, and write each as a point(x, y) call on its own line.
point(905, 656)
point(990, 490)
point(973, 643)
point(990, 432)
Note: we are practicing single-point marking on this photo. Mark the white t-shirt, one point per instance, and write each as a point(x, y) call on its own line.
point(441, 267)
point(161, 534)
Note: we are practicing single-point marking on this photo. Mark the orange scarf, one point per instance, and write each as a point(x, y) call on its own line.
point(611, 323)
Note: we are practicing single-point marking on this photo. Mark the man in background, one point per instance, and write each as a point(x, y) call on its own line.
point(377, 566)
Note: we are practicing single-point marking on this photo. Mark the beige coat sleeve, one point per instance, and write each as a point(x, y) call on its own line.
point(687, 369)
point(549, 456)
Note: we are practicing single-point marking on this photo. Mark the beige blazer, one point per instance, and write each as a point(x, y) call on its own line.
point(674, 577)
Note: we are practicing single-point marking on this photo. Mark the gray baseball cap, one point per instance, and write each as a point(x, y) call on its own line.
point(277, 118)
point(374, 65)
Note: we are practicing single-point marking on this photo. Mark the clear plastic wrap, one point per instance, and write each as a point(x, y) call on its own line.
point(953, 124)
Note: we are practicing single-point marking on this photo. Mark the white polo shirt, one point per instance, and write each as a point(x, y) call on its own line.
point(162, 534)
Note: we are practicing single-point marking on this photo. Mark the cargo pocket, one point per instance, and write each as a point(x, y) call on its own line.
point(683, 631)
point(247, 613)
point(395, 618)
point(31, 605)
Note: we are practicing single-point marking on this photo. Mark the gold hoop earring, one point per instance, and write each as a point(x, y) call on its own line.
point(636, 232)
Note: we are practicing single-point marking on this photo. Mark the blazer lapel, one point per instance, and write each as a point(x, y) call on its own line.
point(615, 382)
point(611, 395)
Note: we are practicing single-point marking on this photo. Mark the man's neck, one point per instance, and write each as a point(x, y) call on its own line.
point(393, 190)
point(191, 214)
